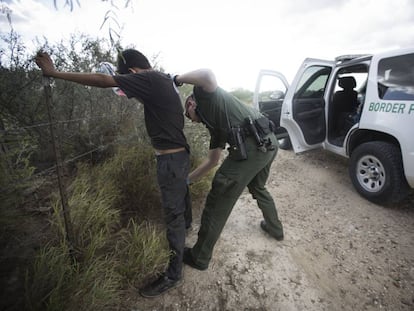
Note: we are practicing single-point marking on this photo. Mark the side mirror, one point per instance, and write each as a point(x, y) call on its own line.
point(277, 95)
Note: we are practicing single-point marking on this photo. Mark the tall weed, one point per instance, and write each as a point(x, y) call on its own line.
point(58, 283)
point(143, 251)
point(133, 171)
point(107, 257)
point(198, 139)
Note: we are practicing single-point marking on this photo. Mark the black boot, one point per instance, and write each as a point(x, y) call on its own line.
point(264, 227)
point(160, 286)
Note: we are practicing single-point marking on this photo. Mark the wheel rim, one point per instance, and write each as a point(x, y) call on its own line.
point(370, 173)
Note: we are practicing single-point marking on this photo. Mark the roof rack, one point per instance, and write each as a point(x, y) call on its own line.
point(347, 57)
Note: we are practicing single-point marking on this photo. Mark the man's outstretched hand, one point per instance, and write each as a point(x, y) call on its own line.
point(45, 63)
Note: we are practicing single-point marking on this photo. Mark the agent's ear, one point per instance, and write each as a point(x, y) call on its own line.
point(192, 101)
point(193, 104)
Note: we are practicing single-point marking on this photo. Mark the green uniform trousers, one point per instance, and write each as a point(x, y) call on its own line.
point(229, 182)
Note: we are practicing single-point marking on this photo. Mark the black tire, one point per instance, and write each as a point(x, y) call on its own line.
point(285, 143)
point(377, 173)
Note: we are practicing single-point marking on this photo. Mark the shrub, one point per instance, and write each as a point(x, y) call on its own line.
point(141, 255)
point(105, 257)
point(59, 283)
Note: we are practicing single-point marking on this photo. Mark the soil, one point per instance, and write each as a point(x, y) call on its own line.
point(340, 251)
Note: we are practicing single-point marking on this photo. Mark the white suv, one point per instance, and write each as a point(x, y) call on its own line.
point(357, 106)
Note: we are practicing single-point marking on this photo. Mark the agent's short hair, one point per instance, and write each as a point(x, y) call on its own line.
point(131, 58)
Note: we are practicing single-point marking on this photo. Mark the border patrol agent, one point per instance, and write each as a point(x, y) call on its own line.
point(253, 147)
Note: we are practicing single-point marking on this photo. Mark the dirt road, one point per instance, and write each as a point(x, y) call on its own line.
point(340, 251)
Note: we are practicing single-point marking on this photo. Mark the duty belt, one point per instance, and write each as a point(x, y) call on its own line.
point(259, 129)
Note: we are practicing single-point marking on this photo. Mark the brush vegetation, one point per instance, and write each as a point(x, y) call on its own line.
point(119, 240)
point(105, 257)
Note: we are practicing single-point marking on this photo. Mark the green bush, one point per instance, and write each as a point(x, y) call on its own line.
point(199, 140)
point(141, 255)
point(133, 171)
point(105, 256)
point(58, 283)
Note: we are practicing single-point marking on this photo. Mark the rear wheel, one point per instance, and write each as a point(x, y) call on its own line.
point(376, 171)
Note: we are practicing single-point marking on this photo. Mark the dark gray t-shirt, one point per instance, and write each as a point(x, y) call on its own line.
point(164, 115)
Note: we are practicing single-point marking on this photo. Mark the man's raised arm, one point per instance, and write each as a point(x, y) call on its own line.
point(203, 78)
point(45, 63)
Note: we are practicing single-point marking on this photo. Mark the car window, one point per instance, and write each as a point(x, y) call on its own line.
point(396, 78)
point(360, 74)
point(313, 82)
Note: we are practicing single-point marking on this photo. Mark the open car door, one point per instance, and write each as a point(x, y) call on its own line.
point(303, 109)
point(271, 88)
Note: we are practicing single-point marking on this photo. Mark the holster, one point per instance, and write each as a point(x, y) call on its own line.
point(237, 142)
point(264, 126)
point(259, 129)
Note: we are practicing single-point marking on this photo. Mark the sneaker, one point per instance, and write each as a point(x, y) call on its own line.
point(188, 260)
point(160, 286)
point(264, 227)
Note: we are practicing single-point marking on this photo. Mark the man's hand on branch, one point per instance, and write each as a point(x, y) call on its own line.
point(45, 63)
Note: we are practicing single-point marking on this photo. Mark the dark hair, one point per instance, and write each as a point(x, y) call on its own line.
point(131, 58)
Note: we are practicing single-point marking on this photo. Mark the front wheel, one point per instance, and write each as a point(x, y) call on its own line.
point(377, 173)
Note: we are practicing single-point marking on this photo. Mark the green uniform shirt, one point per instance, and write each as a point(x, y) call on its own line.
point(212, 107)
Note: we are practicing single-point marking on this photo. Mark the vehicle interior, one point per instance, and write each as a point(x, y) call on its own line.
point(346, 101)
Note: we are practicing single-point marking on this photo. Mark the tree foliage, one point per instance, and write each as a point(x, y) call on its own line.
point(110, 19)
point(244, 95)
point(85, 117)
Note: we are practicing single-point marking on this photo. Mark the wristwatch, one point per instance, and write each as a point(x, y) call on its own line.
point(176, 82)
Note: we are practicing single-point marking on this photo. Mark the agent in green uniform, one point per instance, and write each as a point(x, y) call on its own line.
point(253, 147)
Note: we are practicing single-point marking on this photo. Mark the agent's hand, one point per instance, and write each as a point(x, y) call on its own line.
point(45, 63)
